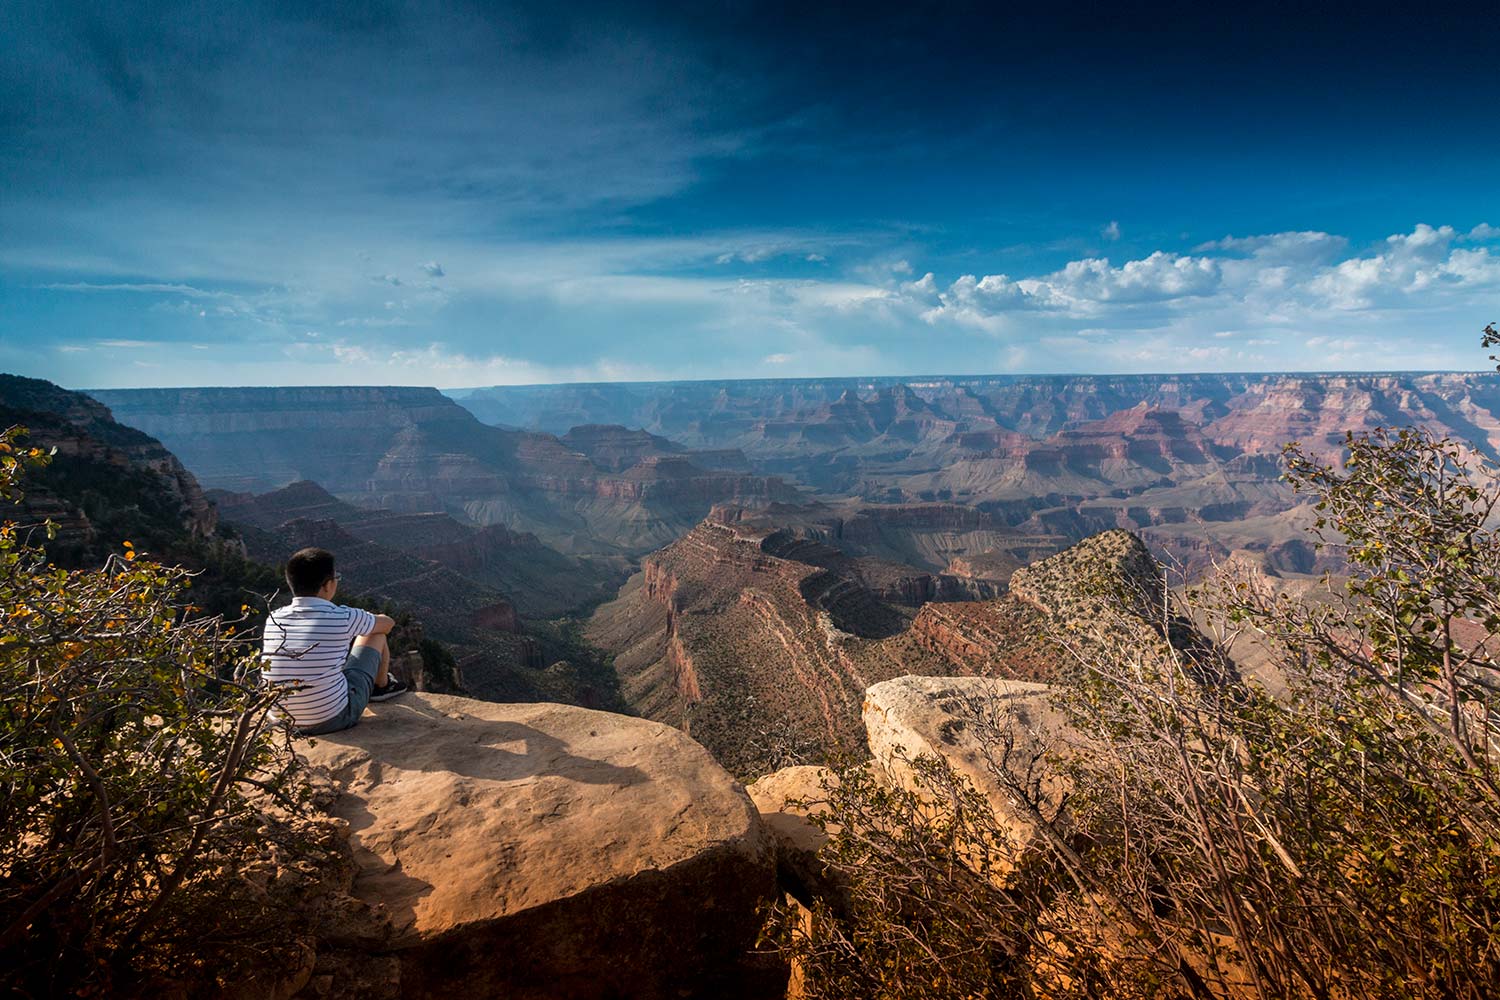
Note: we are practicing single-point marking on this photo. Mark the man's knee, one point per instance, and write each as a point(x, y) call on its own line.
point(378, 641)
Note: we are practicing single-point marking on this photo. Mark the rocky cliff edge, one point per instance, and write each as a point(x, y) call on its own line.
point(537, 850)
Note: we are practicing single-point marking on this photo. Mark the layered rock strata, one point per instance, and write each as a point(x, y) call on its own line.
point(98, 456)
point(414, 450)
point(761, 644)
point(537, 579)
point(1194, 457)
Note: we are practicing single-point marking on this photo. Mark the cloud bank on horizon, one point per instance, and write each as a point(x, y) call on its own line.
point(468, 194)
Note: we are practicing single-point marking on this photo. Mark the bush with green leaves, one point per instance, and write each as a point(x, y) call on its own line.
point(143, 782)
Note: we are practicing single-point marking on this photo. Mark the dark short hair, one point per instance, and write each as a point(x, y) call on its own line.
point(307, 570)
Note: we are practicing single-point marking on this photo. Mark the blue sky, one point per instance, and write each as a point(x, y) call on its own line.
point(475, 194)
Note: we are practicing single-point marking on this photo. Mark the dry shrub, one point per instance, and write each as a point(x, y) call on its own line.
point(148, 802)
point(1340, 841)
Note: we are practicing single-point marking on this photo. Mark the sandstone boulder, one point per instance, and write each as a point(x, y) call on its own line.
point(786, 799)
point(982, 727)
point(537, 850)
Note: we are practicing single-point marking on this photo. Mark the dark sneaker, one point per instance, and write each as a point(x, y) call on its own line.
point(392, 688)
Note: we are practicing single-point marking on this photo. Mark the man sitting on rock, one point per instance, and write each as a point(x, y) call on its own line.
point(306, 651)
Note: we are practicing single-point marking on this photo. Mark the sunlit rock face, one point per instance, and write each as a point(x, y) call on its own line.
point(969, 723)
point(543, 851)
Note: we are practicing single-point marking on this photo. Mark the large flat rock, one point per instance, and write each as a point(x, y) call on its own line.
point(537, 850)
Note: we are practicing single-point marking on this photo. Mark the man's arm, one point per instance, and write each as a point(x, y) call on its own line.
point(383, 625)
point(363, 624)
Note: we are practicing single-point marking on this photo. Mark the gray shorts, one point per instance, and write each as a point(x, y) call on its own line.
point(360, 670)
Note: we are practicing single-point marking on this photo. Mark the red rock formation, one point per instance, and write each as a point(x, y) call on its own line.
point(996, 566)
point(1186, 457)
point(988, 638)
point(614, 448)
point(684, 671)
point(750, 639)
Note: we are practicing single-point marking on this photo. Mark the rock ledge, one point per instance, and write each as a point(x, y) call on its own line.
point(537, 850)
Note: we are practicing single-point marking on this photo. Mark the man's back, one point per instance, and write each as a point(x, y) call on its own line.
point(305, 646)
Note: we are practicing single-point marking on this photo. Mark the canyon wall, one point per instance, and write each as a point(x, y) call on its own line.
point(107, 481)
point(759, 641)
point(414, 450)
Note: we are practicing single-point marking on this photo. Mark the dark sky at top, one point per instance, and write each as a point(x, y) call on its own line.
point(468, 193)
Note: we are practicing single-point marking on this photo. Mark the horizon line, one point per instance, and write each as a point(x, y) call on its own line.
point(898, 379)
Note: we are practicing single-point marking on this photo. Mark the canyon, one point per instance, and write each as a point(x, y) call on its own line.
point(1191, 462)
point(798, 576)
point(416, 451)
point(102, 466)
point(759, 640)
point(1252, 411)
point(742, 559)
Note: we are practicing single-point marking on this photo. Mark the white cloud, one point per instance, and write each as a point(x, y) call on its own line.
point(1290, 248)
point(1244, 284)
point(1081, 288)
point(559, 311)
point(1422, 261)
point(433, 269)
point(1111, 232)
point(434, 364)
point(148, 288)
point(753, 250)
point(925, 286)
point(1160, 276)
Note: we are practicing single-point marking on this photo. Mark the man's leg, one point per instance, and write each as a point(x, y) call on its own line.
point(359, 671)
point(378, 641)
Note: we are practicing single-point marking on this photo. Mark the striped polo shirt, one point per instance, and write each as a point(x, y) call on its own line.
point(304, 648)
